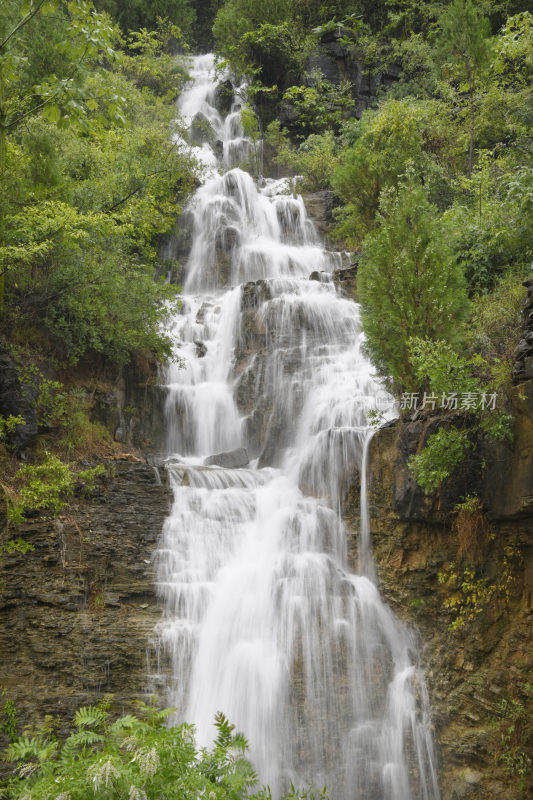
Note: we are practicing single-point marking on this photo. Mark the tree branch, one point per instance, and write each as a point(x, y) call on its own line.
point(30, 15)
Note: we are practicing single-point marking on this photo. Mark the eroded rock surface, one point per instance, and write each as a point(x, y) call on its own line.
point(78, 612)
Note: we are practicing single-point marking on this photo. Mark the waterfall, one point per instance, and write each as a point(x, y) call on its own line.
point(267, 411)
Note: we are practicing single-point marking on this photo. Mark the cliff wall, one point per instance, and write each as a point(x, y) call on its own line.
point(479, 672)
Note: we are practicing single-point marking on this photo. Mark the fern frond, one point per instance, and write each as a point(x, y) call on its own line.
point(225, 731)
point(90, 717)
point(128, 721)
point(25, 748)
point(79, 739)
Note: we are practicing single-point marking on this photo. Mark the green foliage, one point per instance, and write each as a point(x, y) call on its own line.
point(8, 718)
point(516, 736)
point(43, 486)
point(321, 106)
point(133, 15)
point(236, 19)
point(471, 594)
point(514, 50)
point(87, 477)
point(442, 453)
point(313, 160)
point(379, 148)
point(470, 506)
point(84, 204)
point(463, 38)
point(494, 229)
point(148, 63)
point(251, 129)
point(409, 283)
point(16, 546)
point(438, 366)
point(139, 758)
point(8, 425)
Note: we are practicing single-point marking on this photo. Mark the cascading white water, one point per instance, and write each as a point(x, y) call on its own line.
point(263, 618)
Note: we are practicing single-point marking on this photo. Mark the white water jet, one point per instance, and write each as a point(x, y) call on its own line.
point(264, 620)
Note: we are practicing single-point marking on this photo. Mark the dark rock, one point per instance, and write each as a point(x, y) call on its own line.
point(468, 670)
point(224, 93)
point(17, 399)
point(201, 348)
point(134, 408)
point(201, 131)
point(233, 459)
point(345, 279)
point(339, 58)
point(319, 206)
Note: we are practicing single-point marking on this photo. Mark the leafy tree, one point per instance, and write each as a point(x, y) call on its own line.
point(84, 204)
point(464, 46)
point(133, 15)
point(377, 150)
point(25, 93)
point(409, 282)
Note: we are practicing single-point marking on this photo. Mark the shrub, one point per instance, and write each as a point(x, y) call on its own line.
point(443, 452)
point(134, 758)
point(43, 486)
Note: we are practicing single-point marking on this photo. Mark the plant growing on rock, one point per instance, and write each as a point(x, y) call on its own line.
point(470, 593)
point(42, 487)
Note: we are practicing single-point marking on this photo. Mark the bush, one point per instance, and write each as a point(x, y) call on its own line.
point(314, 160)
point(133, 758)
point(437, 461)
point(42, 486)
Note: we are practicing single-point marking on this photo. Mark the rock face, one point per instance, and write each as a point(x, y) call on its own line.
point(346, 280)
point(224, 97)
point(133, 408)
point(477, 674)
point(523, 367)
point(78, 612)
point(319, 206)
point(340, 58)
point(17, 399)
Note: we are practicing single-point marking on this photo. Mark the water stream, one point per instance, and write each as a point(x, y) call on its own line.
point(264, 620)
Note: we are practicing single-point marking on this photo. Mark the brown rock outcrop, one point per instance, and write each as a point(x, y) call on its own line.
point(77, 613)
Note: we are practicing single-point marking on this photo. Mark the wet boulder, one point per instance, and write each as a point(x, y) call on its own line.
point(232, 459)
point(224, 97)
point(201, 130)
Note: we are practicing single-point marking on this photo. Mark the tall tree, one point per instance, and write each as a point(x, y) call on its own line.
point(464, 46)
point(409, 282)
